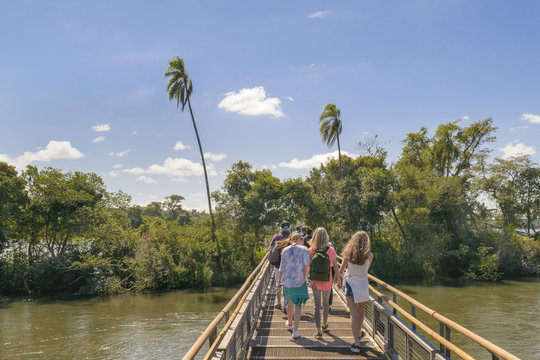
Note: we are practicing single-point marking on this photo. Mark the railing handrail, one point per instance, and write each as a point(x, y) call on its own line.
point(212, 327)
point(486, 344)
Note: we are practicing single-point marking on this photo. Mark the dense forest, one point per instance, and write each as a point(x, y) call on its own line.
point(443, 208)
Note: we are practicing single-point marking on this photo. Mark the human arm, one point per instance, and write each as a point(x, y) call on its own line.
point(343, 267)
point(370, 259)
point(337, 272)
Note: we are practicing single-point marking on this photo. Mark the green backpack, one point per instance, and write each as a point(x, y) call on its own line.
point(320, 266)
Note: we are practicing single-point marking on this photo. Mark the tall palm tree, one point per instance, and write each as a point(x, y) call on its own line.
point(180, 88)
point(330, 128)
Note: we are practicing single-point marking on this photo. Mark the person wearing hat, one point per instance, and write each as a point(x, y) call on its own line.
point(284, 233)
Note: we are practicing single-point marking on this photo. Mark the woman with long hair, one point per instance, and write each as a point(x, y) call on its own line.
point(321, 255)
point(357, 258)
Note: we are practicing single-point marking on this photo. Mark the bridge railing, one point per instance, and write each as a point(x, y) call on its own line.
point(239, 316)
point(402, 341)
point(390, 331)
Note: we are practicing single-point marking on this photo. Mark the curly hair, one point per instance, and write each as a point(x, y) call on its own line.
point(357, 249)
point(319, 239)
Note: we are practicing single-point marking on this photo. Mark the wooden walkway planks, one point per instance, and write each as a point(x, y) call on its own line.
point(272, 340)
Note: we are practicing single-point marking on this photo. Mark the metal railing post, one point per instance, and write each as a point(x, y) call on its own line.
point(447, 337)
point(441, 332)
point(413, 313)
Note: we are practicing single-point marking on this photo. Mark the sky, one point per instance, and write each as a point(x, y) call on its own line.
point(82, 84)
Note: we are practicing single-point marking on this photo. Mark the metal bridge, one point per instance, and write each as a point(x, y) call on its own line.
point(250, 328)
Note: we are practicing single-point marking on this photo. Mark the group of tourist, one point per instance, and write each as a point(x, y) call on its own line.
point(305, 258)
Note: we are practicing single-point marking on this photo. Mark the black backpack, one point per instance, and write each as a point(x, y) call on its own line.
point(320, 266)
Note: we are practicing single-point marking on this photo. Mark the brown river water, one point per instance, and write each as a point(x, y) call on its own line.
point(165, 326)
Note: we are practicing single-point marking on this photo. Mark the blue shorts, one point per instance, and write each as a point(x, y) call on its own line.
point(348, 290)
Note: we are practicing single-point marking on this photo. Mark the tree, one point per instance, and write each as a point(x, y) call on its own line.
point(62, 207)
point(174, 210)
point(514, 184)
point(12, 201)
point(180, 88)
point(330, 128)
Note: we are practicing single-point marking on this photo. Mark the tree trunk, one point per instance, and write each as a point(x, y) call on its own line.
point(207, 188)
point(339, 155)
point(398, 223)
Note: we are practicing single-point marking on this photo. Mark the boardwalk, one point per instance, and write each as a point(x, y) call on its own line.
point(273, 341)
point(252, 329)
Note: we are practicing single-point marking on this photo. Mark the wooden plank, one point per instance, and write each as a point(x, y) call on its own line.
point(272, 340)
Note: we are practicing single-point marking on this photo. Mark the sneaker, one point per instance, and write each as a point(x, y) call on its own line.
point(295, 335)
point(355, 348)
point(318, 334)
point(284, 309)
point(278, 306)
point(324, 326)
point(362, 334)
point(288, 325)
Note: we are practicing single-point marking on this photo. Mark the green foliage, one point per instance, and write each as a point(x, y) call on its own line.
point(426, 215)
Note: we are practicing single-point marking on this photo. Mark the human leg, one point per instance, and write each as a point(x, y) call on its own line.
point(325, 305)
point(353, 310)
point(290, 311)
point(317, 306)
point(297, 316)
point(361, 307)
point(278, 288)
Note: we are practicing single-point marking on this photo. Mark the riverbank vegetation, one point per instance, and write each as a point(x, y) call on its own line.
point(443, 208)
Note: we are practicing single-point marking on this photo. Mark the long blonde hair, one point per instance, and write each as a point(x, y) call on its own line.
point(319, 239)
point(357, 249)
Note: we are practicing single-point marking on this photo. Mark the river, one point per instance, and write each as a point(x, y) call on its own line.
point(164, 326)
point(507, 313)
point(118, 327)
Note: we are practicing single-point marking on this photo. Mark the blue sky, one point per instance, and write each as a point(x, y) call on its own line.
point(82, 85)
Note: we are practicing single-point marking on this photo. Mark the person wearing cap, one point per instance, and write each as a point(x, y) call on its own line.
point(284, 233)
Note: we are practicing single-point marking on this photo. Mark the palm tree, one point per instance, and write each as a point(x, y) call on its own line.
point(180, 88)
point(330, 128)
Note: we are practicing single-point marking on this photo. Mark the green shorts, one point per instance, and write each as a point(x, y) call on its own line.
point(299, 296)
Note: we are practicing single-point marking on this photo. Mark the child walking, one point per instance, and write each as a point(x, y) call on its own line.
point(357, 258)
point(322, 257)
point(293, 278)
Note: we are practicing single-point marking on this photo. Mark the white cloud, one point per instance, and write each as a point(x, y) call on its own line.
point(179, 179)
point(177, 168)
point(98, 139)
point(113, 173)
point(180, 146)
point(319, 14)
point(251, 102)
point(101, 128)
point(54, 150)
point(136, 171)
point(532, 118)
point(117, 166)
point(215, 157)
point(466, 118)
point(314, 161)
point(515, 150)
point(290, 98)
point(121, 153)
point(146, 179)
point(134, 132)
